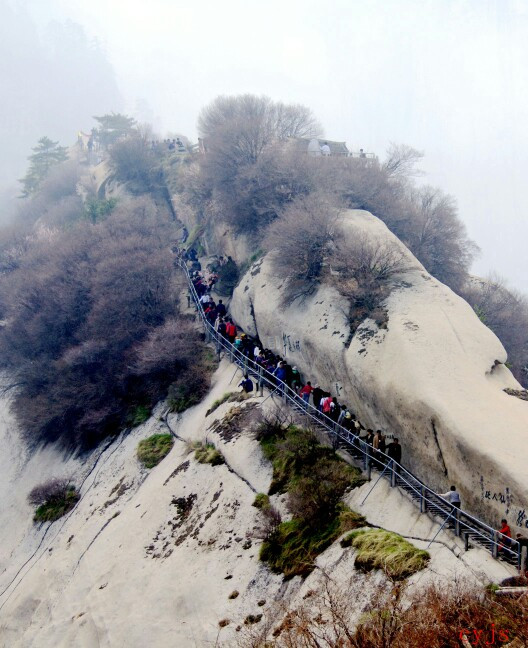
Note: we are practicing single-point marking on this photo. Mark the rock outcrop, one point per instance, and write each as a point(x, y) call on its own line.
point(435, 377)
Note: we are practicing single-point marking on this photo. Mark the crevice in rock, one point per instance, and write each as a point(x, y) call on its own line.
point(232, 470)
point(94, 539)
point(252, 312)
point(440, 453)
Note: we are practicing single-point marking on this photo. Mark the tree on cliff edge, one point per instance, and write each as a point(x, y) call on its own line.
point(45, 155)
point(113, 127)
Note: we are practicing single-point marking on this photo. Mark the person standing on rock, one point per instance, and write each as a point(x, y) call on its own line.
point(317, 395)
point(394, 451)
point(306, 391)
point(378, 445)
point(452, 496)
point(505, 535)
point(295, 379)
point(231, 331)
point(221, 309)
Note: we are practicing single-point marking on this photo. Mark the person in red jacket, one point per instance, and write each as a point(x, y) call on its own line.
point(231, 331)
point(306, 391)
point(505, 535)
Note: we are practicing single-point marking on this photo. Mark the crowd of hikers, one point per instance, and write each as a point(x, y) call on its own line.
point(383, 447)
point(279, 370)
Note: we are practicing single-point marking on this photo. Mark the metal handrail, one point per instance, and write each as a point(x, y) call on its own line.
point(465, 523)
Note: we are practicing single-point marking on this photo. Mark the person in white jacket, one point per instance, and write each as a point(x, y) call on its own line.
point(452, 496)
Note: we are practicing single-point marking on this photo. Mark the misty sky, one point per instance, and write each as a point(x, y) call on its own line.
point(445, 76)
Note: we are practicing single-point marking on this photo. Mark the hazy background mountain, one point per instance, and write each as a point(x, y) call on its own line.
point(53, 79)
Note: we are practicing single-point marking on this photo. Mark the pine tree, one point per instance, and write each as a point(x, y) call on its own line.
point(113, 127)
point(45, 155)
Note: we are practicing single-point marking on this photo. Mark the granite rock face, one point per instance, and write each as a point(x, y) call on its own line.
point(434, 377)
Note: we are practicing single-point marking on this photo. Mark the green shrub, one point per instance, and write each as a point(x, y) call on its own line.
point(262, 501)
point(296, 455)
point(207, 453)
point(351, 520)
point(218, 402)
point(53, 499)
point(315, 479)
point(294, 548)
point(380, 549)
point(138, 415)
point(152, 450)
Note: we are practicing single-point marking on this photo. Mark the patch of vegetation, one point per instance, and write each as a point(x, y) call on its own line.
point(138, 415)
point(315, 479)
point(296, 454)
point(152, 450)
point(96, 209)
point(53, 499)
point(292, 550)
point(252, 618)
point(261, 501)
point(207, 453)
point(219, 401)
point(380, 549)
point(87, 350)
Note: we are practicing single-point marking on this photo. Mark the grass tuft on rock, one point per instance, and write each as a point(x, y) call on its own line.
point(380, 549)
point(53, 499)
point(152, 450)
point(138, 415)
point(207, 453)
point(262, 501)
point(219, 401)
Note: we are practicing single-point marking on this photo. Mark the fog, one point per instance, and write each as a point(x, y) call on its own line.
point(447, 77)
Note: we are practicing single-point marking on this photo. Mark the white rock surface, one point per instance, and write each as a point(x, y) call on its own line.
point(122, 570)
point(431, 378)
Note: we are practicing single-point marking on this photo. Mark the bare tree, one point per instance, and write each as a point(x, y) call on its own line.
point(401, 161)
point(505, 311)
point(301, 241)
point(438, 238)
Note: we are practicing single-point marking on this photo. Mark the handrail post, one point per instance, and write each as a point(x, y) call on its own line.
point(494, 546)
point(261, 382)
point(423, 502)
point(369, 468)
point(466, 540)
point(457, 522)
point(393, 474)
